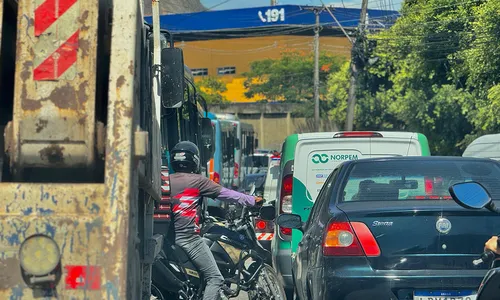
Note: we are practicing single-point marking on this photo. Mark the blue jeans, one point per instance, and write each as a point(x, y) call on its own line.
point(202, 258)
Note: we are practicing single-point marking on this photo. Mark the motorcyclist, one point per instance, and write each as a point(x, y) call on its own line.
point(187, 188)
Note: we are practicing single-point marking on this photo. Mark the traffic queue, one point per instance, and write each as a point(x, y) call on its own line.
point(352, 215)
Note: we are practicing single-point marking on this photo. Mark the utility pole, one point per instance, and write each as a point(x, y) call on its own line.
point(317, 11)
point(316, 73)
point(357, 53)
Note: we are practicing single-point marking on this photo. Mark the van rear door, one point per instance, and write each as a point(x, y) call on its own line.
point(395, 144)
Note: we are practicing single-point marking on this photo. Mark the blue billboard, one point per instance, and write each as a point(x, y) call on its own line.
point(270, 16)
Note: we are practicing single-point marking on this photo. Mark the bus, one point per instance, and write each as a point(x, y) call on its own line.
point(234, 140)
point(243, 141)
point(186, 121)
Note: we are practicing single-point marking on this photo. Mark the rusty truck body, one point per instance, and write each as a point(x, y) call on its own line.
point(81, 168)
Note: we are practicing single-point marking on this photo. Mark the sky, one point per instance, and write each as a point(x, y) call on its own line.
point(231, 4)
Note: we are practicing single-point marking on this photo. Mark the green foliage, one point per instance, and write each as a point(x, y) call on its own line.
point(211, 88)
point(337, 94)
point(437, 72)
point(289, 78)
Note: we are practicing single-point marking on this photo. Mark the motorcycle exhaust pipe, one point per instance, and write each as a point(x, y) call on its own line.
point(162, 274)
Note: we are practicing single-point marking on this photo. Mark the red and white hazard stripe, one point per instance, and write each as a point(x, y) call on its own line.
point(264, 236)
point(165, 180)
point(56, 25)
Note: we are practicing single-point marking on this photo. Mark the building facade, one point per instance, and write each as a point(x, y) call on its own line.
point(224, 43)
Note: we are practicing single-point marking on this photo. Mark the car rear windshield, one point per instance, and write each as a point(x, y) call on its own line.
point(417, 179)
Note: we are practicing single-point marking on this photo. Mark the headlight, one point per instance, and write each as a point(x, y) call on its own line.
point(40, 260)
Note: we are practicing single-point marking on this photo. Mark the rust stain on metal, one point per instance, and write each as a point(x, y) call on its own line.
point(13, 275)
point(128, 112)
point(82, 95)
point(131, 67)
point(78, 207)
point(120, 81)
point(64, 97)
point(41, 124)
point(83, 19)
point(84, 46)
point(82, 120)
point(52, 154)
point(28, 104)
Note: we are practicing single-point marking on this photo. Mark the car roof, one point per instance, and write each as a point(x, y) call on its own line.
point(419, 158)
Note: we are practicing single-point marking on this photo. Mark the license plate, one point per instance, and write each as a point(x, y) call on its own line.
point(444, 295)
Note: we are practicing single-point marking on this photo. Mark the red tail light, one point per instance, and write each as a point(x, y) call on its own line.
point(260, 225)
point(286, 194)
point(349, 239)
point(352, 134)
point(236, 170)
point(286, 231)
point(432, 188)
point(429, 185)
point(286, 200)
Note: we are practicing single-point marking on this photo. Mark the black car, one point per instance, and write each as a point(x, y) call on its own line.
point(386, 228)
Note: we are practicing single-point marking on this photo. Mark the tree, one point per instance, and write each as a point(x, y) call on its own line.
point(212, 89)
point(289, 78)
point(435, 71)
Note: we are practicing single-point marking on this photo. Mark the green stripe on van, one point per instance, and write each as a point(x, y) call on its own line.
point(424, 144)
point(301, 206)
point(289, 148)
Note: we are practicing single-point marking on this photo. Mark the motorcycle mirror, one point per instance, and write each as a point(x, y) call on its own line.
point(267, 213)
point(470, 195)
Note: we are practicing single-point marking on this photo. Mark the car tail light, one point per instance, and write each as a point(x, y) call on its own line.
point(354, 134)
point(286, 231)
point(429, 185)
point(349, 239)
point(236, 170)
point(286, 194)
point(286, 200)
point(431, 192)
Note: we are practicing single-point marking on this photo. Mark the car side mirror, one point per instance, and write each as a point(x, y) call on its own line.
point(290, 221)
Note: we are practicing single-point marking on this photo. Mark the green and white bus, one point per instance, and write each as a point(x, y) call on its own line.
point(307, 160)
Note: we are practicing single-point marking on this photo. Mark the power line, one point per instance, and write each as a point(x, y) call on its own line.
point(205, 10)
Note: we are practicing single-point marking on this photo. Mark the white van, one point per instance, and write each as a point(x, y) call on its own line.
point(486, 146)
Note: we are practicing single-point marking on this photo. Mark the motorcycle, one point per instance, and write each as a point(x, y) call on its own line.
point(473, 195)
point(239, 256)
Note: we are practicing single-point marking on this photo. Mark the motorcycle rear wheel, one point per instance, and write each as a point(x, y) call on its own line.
point(268, 286)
